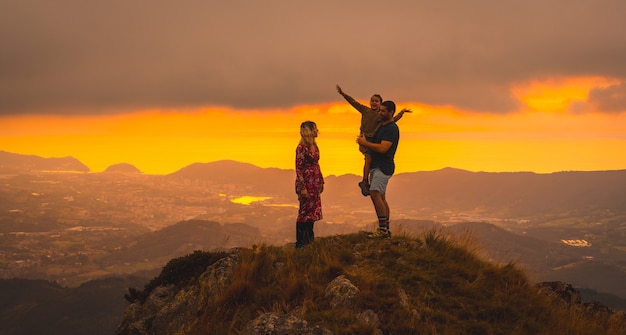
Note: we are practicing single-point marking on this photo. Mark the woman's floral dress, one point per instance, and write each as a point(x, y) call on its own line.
point(309, 176)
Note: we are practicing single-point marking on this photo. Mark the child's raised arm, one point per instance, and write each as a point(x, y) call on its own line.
point(401, 113)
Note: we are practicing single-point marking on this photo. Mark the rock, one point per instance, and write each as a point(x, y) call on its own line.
point(564, 292)
point(368, 318)
point(274, 324)
point(341, 292)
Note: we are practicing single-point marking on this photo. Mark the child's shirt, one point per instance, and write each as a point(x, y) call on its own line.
point(369, 124)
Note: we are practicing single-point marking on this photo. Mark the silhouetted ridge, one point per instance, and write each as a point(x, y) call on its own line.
point(122, 168)
point(40, 307)
point(514, 193)
point(186, 236)
point(264, 180)
point(16, 163)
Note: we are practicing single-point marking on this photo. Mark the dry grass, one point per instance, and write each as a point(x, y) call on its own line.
point(434, 283)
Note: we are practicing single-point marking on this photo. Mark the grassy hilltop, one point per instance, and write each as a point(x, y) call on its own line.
point(434, 283)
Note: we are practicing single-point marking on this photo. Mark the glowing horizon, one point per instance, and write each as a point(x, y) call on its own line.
point(547, 134)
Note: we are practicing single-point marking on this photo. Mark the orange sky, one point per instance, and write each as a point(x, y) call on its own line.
point(553, 130)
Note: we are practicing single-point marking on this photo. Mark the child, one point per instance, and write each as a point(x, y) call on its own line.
point(369, 126)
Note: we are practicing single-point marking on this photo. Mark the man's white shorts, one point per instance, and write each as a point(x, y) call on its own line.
point(378, 180)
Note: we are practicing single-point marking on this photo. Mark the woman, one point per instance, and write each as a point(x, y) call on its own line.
point(309, 184)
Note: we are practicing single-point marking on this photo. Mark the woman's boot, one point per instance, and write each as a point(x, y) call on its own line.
point(310, 236)
point(300, 235)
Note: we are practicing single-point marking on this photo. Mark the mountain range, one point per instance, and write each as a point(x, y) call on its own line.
point(520, 193)
point(513, 193)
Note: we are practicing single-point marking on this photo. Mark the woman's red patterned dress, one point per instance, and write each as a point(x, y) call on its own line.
point(309, 176)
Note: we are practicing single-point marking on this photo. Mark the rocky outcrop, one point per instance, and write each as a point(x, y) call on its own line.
point(169, 310)
point(565, 294)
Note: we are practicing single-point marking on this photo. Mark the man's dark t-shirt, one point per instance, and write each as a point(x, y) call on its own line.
point(388, 132)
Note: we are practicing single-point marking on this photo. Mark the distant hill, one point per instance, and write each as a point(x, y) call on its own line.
point(40, 307)
point(11, 163)
point(184, 237)
point(244, 175)
point(516, 193)
point(122, 168)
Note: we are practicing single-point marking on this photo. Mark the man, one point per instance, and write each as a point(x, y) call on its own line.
point(383, 147)
point(369, 127)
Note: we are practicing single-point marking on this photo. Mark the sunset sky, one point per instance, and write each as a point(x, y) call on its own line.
point(494, 85)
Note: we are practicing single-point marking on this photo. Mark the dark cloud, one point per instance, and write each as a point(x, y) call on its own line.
point(611, 99)
point(84, 56)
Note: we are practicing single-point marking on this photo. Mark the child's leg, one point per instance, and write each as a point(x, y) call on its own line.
point(365, 185)
point(366, 167)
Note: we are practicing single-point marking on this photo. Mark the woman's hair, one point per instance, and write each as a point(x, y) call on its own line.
point(378, 96)
point(307, 134)
point(391, 106)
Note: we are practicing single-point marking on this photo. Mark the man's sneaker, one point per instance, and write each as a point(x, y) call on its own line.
point(365, 188)
point(380, 234)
